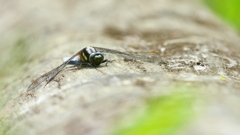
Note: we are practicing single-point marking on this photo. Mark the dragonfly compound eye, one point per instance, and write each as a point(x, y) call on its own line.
point(96, 59)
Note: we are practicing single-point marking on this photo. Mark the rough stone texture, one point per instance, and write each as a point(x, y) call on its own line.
point(199, 49)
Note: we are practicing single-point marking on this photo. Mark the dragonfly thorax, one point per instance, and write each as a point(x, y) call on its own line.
point(91, 56)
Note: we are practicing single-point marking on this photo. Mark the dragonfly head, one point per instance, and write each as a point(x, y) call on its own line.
point(96, 59)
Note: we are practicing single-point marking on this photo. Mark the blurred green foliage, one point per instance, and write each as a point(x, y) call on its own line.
point(15, 55)
point(227, 9)
point(4, 129)
point(162, 116)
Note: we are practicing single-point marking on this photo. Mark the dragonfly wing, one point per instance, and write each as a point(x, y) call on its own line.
point(38, 81)
point(49, 76)
point(76, 58)
point(126, 55)
point(65, 59)
point(74, 61)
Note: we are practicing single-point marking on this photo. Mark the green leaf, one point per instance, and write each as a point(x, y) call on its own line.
point(162, 116)
point(226, 9)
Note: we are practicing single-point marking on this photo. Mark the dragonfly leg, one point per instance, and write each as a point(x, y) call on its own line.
point(84, 64)
point(106, 61)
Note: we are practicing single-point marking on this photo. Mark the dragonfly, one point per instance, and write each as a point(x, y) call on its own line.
point(89, 56)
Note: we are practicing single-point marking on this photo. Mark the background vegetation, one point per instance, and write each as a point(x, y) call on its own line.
point(163, 115)
point(228, 10)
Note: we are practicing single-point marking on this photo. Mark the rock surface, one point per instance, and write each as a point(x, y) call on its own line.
point(201, 53)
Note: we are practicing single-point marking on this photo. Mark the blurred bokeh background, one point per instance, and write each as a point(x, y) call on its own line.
point(227, 10)
point(29, 28)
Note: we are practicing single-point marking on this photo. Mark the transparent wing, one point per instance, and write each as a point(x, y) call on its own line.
point(74, 61)
point(130, 56)
point(49, 76)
